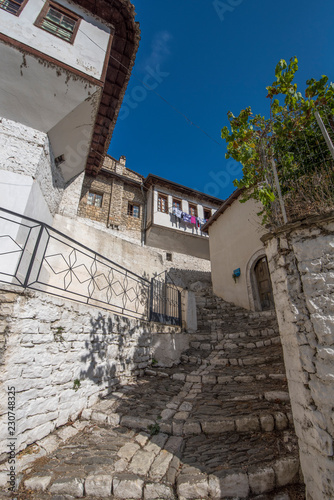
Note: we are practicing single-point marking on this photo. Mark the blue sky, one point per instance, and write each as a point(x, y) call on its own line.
point(206, 57)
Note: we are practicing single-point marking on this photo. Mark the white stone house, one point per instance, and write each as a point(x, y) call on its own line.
point(65, 68)
point(166, 228)
point(239, 266)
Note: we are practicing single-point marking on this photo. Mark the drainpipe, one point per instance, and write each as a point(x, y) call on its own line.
point(143, 235)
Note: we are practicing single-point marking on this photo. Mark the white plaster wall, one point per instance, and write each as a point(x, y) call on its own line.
point(51, 342)
point(144, 261)
point(234, 239)
point(301, 262)
point(140, 260)
point(87, 54)
point(177, 241)
point(72, 136)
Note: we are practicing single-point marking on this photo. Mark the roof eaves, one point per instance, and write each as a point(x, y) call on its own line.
point(121, 15)
point(151, 178)
point(227, 203)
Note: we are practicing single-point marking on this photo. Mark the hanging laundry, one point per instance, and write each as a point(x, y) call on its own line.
point(186, 217)
point(177, 212)
point(193, 219)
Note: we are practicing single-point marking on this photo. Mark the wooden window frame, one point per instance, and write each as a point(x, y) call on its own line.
point(63, 10)
point(207, 210)
point(130, 210)
point(95, 194)
point(191, 205)
point(178, 201)
point(23, 4)
point(165, 196)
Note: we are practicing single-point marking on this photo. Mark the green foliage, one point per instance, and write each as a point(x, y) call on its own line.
point(58, 334)
point(255, 141)
point(76, 384)
point(154, 428)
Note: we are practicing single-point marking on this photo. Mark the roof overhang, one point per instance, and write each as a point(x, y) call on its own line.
point(121, 15)
point(152, 180)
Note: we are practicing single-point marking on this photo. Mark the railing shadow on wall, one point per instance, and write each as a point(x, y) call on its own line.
point(36, 256)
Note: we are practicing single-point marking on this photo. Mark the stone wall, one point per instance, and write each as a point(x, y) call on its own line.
point(301, 262)
point(27, 154)
point(116, 196)
point(142, 260)
point(62, 356)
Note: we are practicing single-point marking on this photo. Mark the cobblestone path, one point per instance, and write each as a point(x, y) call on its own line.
point(217, 426)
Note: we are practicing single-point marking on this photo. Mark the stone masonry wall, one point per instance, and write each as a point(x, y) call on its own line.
point(26, 151)
point(61, 356)
point(301, 262)
point(100, 185)
point(116, 197)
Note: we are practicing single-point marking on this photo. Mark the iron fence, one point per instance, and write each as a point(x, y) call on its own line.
point(36, 256)
point(300, 167)
point(165, 304)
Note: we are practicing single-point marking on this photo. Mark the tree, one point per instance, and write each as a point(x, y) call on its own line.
point(289, 138)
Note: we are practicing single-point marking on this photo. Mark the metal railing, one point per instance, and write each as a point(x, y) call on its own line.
point(36, 256)
point(165, 306)
point(300, 168)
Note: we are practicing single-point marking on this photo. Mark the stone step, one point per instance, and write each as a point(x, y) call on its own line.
point(119, 464)
point(245, 342)
point(223, 375)
point(227, 324)
point(262, 422)
point(109, 463)
point(231, 358)
point(248, 465)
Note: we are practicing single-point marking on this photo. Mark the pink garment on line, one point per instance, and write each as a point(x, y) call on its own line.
point(193, 219)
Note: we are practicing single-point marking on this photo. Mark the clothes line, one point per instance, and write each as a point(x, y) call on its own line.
point(190, 219)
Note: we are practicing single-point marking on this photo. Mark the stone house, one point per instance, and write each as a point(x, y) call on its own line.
point(115, 199)
point(142, 210)
point(59, 96)
point(165, 229)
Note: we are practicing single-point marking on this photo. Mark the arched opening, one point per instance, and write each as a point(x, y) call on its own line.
point(254, 288)
point(263, 284)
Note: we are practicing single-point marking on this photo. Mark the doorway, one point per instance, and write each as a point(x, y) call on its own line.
point(263, 282)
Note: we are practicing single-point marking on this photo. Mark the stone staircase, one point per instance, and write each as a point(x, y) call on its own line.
point(216, 426)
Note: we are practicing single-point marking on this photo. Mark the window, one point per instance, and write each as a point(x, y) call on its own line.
point(58, 21)
point(176, 203)
point(162, 203)
point(193, 210)
point(12, 6)
point(207, 213)
point(134, 210)
point(94, 200)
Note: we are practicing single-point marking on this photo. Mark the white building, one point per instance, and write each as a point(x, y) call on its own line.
point(239, 268)
point(166, 228)
point(65, 66)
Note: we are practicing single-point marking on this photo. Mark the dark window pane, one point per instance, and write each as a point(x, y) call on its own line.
point(58, 24)
point(11, 6)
